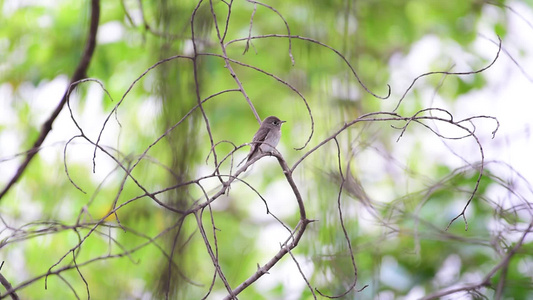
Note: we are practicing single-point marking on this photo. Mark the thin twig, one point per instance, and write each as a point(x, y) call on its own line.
point(79, 73)
point(7, 285)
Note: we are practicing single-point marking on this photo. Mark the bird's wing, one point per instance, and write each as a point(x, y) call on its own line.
point(259, 137)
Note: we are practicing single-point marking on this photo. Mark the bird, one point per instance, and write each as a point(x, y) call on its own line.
point(266, 138)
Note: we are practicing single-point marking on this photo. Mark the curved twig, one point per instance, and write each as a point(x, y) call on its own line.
point(323, 45)
point(284, 83)
point(451, 73)
point(79, 73)
point(284, 21)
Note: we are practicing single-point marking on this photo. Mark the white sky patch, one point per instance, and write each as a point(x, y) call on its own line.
point(392, 274)
point(10, 6)
point(110, 32)
point(280, 199)
point(507, 95)
point(415, 293)
point(449, 271)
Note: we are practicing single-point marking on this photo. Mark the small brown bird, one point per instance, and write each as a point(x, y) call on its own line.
point(266, 138)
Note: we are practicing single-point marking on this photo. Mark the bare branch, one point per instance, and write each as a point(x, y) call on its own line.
point(228, 65)
point(284, 21)
point(79, 73)
point(321, 44)
point(451, 73)
point(7, 285)
point(348, 240)
point(281, 81)
point(504, 263)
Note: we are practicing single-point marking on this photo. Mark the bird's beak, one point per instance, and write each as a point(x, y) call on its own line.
point(283, 122)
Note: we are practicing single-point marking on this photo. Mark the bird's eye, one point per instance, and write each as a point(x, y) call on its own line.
point(276, 122)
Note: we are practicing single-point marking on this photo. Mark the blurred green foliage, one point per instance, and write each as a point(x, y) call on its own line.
point(41, 42)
